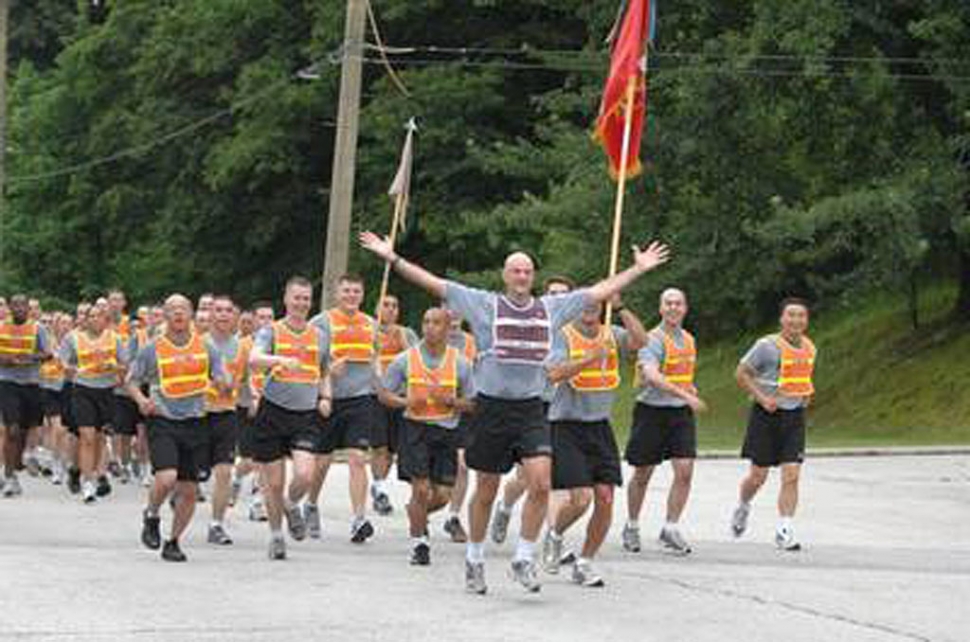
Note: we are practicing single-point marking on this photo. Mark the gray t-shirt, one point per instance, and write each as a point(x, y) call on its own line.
point(569, 404)
point(298, 397)
point(395, 379)
point(228, 350)
point(29, 374)
point(508, 380)
point(144, 371)
point(654, 354)
point(358, 379)
point(245, 398)
point(764, 358)
point(68, 355)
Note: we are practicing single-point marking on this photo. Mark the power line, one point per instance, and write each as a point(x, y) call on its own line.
point(504, 64)
point(528, 50)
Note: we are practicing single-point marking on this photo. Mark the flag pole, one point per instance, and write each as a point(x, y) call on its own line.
point(400, 202)
point(621, 188)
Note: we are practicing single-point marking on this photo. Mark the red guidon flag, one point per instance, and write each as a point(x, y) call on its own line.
point(626, 66)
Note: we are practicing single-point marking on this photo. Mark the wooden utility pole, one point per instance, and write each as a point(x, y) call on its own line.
point(4, 16)
point(337, 248)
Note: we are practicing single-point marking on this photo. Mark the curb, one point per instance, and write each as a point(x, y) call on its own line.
point(860, 451)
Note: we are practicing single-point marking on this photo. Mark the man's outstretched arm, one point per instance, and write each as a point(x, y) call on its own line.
point(655, 255)
point(412, 272)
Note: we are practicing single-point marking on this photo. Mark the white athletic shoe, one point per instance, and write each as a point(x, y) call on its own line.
point(12, 487)
point(739, 520)
point(785, 540)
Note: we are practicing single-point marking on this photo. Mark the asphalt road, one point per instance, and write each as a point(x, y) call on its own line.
point(887, 557)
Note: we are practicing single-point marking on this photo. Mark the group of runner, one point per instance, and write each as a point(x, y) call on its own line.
point(220, 393)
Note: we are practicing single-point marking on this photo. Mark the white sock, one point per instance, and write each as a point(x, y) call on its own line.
point(524, 550)
point(555, 535)
point(744, 504)
point(670, 526)
point(215, 522)
point(453, 514)
point(633, 524)
point(784, 524)
point(419, 540)
point(276, 533)
point(580, 561)
point(475, 552)
point(379, 486)
point(505, 509)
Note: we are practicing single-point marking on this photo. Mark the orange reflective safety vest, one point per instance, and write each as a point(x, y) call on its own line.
point(796, 368)
point(18, 339)
point(598, 376)
point(123, 328)
point(304, 346)
point(182, 371)
point(52, 370)
point(257, 377)
point(679, 362)
point(217, 400)
point(96, 357)
point(391, 342)
point(470, 350)
point(432, 391)
point(351, 336)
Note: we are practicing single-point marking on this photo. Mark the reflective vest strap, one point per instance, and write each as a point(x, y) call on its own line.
point(604, 376)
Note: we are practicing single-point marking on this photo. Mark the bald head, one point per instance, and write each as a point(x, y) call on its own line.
point(518, 274)
point(673, 306)
point(178, 313)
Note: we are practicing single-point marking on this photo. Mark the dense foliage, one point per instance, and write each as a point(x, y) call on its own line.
point(813, 147)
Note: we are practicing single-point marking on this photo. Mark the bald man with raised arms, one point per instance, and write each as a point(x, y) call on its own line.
point(513, 330)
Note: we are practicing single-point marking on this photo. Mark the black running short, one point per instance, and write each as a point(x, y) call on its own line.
point(427, 452)
point(127, 416)
point(93, 407)
point(182, 445)
point(464, 429)
point(20, 405)
point(387, 428)
point(584, 454)
point(67, 411)
point(280, 431)
point(506, 431)
point(775, 438)
point(661, 433)
point(352, 424)
point(52, 402)
point(223, 434)
point(247, 432)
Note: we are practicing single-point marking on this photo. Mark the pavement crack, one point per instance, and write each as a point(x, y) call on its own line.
point(788, 606)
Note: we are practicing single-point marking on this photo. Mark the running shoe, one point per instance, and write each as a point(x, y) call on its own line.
point(311, 515)
point(89, 493)
point(295, 522)
point(172, 553)
point(218, 535)
point(104, 486)
point(500, 524)
point(631, 538)
point(551, 552)
point(524, 572)
point(421, 555)
point(151, 535)
point(361, 530)
point(277, 548)
point(74, 480)
point(455, 530)
point(739, 520)
point(584, 575)
point(382, 503)
point(475, 578)
point(785, 540)
point(674, 541)
point(12, 487)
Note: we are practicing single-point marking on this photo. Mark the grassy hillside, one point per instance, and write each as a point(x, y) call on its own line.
point(878, 382)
